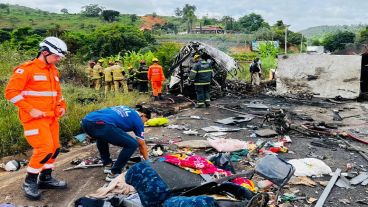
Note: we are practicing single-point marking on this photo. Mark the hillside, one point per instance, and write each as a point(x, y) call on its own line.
point(20, 16)
point(320, 31)
point(149, 21)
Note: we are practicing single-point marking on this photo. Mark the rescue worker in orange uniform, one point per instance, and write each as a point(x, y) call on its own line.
point(157, 77)
point(34, 88)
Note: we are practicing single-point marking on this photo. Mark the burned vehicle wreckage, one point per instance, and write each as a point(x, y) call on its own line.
point(223, 64)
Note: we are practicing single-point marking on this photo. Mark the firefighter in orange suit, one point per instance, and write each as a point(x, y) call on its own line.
point(156, 76)
point(34, 88)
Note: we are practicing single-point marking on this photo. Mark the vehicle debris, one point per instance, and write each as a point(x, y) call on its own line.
point(328, 188)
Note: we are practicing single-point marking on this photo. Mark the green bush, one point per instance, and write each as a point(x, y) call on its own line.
point(246, 56)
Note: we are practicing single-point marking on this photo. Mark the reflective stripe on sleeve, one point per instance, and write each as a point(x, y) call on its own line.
point(201, 84)
point(17, 98)
point(204, 71)
point(31, 132)
point(39, 93)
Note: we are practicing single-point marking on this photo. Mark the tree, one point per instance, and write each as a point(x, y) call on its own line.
point(338, 40)
point(24, 38)
point(187, 13)
point(64, 11)
point(279, 23)
point(5, 7)
point(252, 22)
point(133, 18)
point(264, 33)
point(316, 42)
point(363, 36)
point(4, 36)
point(228, 22)
point(92, 10)
point(169, 27)
point(110, 15)
point(210, 21)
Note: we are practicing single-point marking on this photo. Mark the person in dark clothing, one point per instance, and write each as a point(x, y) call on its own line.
point(110, 126)
point(255, 70)
point(201, 74)
point(142, 77)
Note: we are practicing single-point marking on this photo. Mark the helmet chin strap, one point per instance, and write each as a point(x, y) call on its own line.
point(45, 58)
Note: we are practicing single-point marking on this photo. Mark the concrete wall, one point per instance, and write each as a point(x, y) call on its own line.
point(337, 75)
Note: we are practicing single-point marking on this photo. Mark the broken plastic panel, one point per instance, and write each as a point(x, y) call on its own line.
point(274, 169)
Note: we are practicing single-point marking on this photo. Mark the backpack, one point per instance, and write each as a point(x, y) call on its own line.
point(254, 68)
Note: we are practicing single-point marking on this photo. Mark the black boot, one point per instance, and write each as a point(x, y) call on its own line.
point(155, 98)
point(46, 181)
point(160, 96)
point(30, 187)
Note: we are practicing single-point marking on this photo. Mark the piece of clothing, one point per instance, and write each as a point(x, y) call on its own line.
point(155, 73)
point(116, 187)
point(89, 72)
point(142, 73)
point(142, 78)
point(117, 73)
point(122, 117)
point(106, 134)
point(109, 86)
point(97, 71)
point(156, 87)
point(203, 94)
point(227, 145)
point(158, 121)
point(256, 80)
point(142, 87)
point(152, 190)
point(120, 86)
point(108, 74)
point(200, 165)
point(197, 201)
point(35, 85)
point(43, 136)
point(132, 79)
point(255, 67)
point(201, 73)
point(97, 84)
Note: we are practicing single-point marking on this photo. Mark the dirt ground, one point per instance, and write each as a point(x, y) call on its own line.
point(84, 181)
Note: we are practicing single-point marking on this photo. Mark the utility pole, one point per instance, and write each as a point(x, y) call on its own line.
point(286, 29)
point(301, 45)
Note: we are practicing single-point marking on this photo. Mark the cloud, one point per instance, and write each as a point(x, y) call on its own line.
point(300, 14)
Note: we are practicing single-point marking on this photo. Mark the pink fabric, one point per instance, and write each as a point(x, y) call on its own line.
point(197, 164)
point(200, 165)
point(227, 145)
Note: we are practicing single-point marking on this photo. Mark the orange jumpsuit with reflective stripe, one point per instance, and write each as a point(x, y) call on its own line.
point(156, 76)
point(35, 85)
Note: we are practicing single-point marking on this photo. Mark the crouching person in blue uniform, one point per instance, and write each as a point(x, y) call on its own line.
point(110, 126)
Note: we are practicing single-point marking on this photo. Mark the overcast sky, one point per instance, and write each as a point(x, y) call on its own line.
point(300, 14)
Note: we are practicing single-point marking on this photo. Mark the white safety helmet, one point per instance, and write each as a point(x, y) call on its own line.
point(54, 45)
